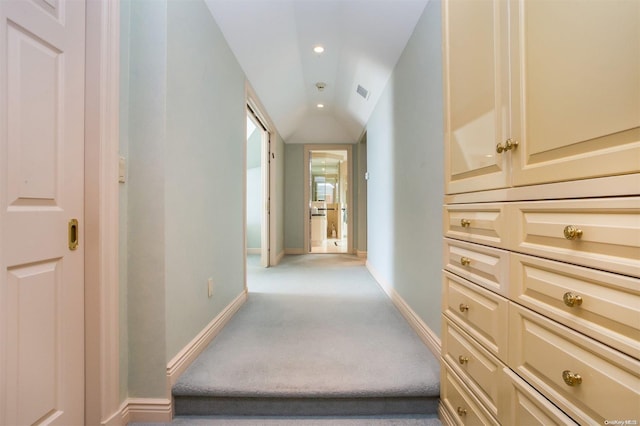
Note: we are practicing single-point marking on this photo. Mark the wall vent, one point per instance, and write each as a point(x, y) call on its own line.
point(362, 92)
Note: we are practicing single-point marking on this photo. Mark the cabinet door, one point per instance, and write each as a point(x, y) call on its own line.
point(475, 94)
point(576, 89)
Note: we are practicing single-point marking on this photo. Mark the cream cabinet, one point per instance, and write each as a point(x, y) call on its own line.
point(541, 217)
point(588, 380)
point(575, 96)
point(476, 94)
point(540, 91)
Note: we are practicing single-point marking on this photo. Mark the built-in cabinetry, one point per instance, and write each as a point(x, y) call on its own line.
point(541, 297)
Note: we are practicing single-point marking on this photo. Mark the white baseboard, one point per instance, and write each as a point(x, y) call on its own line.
point(190, 352)
point(294, 251)
point(148, 410)
point(160, 410)
point(424, 332)
point(362, 254)
point(254, 250)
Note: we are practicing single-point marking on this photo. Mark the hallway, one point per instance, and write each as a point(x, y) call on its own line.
point(317, 337)
point(184, 93)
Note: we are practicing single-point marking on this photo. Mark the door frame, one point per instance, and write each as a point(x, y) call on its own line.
point(102, 108)
point(268, 223)
point(307, 195)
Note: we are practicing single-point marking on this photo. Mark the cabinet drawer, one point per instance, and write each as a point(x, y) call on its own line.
point(458, 400)
point(481, 313)
point(608, 309)
point(478, 223)
point(601, 233)
point(523, 405)
point(485, 266)
point(479, 369)
point(542, 352)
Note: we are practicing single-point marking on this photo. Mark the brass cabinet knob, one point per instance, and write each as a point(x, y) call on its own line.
point(571, 299)
point(465, 223)
point(572, 232)
point(465, 261)
point(463, 359)
point(571, 379)
point(463, 307)
point(462, 411)
point(509, 145)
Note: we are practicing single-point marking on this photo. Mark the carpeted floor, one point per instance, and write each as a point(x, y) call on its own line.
point(423, 420)
point(317, 341)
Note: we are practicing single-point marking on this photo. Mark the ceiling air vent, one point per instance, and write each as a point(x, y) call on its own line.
point(362, 92)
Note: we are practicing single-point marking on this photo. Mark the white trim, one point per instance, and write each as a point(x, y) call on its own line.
point(254, 250)
point(445, 416)
point(257, 113)
point(102, 349)
point(586, 188)
point(424, 332)
point(279, 258)
point(152, 410)
point(190, 352)
point(361, 254)
point(294, 251)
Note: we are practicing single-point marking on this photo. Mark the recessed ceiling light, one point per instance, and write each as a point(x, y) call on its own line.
point(318, 49)
point(320, 105)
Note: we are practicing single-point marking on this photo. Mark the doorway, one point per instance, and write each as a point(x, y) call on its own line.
point(257, 190)
point(328, 224)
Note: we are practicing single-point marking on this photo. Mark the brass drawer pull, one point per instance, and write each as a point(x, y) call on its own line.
point(465, 223)
point(463, 359)
point(463, 307)
point(462, 411)
point(572, 232)
point(465, 261)
point(571, 379)
point(509, 144)
point(571, 299)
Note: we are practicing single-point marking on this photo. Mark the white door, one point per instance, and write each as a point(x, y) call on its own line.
point(41, 190)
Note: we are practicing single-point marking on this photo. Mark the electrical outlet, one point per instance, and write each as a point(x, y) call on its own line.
point(210, 286)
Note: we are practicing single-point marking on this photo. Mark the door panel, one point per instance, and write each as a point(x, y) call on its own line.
point(476, 95)
point(41, 189)
point(576, 94)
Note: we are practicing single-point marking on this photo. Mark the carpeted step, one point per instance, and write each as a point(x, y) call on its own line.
point(314, 340)
point(301, 406)
point(398, 420)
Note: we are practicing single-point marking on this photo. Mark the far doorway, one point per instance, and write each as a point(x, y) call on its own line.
point(328, 199)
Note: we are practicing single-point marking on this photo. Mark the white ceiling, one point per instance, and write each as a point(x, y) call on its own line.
point(273, 41)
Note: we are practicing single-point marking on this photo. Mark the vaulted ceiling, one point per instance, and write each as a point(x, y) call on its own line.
point(273, 41)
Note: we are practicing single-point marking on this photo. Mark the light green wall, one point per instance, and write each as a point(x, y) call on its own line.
point(183, 125)
point(254, 189)
point(361, 191)
point(405, 163)
point(278, 194)
point(206, 137)
point(294, 196)
point(254, 208)
point(146, 199)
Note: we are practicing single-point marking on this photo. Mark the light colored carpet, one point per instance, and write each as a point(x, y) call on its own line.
point(303, 421)
point(316, 331)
